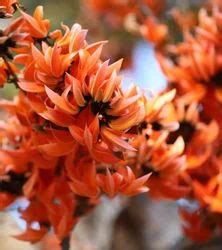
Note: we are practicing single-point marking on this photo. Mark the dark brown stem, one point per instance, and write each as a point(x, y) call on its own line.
point(66, 243)
point(185, 244)
point(11, 72)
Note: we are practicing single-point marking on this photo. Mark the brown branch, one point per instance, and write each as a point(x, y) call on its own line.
point(66, 243)
point(11, 72)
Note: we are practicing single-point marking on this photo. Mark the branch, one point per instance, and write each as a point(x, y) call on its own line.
point(11, 72)
point(66, 243)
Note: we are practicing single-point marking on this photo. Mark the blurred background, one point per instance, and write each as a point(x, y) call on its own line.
point(135, 224)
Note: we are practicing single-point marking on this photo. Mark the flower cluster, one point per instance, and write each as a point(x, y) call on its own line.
point(71, 133)
point(139, 17)
point(116, 11)
point(193, 67)
point(181, 147)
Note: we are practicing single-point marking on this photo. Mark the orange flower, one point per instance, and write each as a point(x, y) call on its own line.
point(155, 111)
point(87, 180)
point(198, 58)
point(122, 181)
point(153, 31)
point(7, 8)
point(83, 178)
point(55, 205)
point(154, 155)
point(172, 189)
point(72, 40)
point(197, 224)
point(80, 92)
point(50, 67)
point(115, 11)
point(198, 147)
point(36, 26)
point(210, 194)
point(42, 146)
point(73, 134)
point(164, 161)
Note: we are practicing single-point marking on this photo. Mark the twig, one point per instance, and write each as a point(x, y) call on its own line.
point(11, 72)
point(66, 243)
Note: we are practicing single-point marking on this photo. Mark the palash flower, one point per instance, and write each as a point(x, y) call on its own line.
point(29, 173)
point(73, 134)
point(51, 203)
point(35, 25)
point(55, 199)
point(198, 147)
point(36, 162)
point(154, 155)
point(88, 180)
point(41, 178)
point(21, 109)
point(155, 114)
point(16, 39)
point(7, 8)
point(185, 21)
point(44, 147)
point(200, 225)
point(209, 194)
point(149, 27)
point(44, 185)
point(83, 178)
point(12, 178)
point(164, 161)
point(195, 72)
point(136, 16)
point(7, 72)
point(115, 11)
point(71, 87)
point(12, 40)
point(204, 173)
point(122, 181)
point(197, 67)
point(153, 31)
point(22, 160)
point(8, 42)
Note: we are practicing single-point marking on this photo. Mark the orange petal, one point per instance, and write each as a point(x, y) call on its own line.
point(116, 140)
point(32, 87)
point(127, 121)
point(58, 117)
point(29, 185)
point(32, 235)
point(77, 134)
point(59, 101)
point(57, 149)
point(6, 200)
